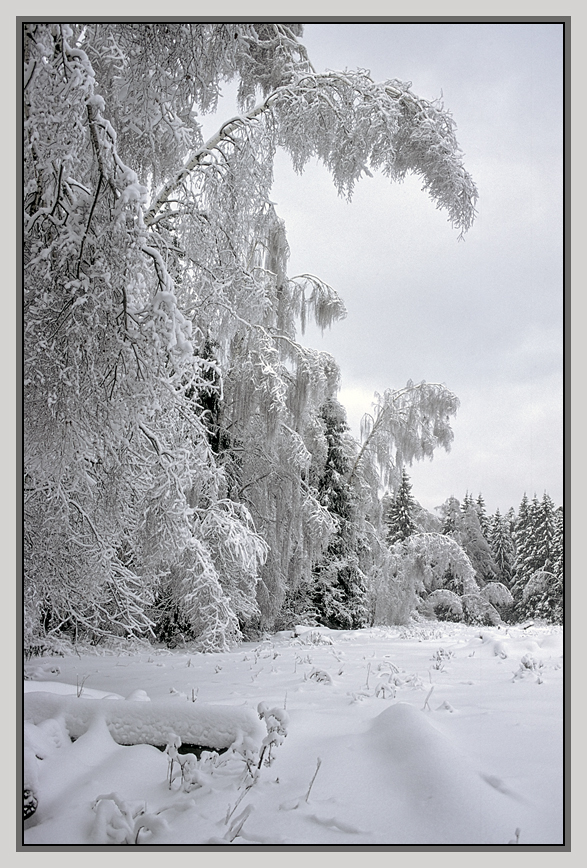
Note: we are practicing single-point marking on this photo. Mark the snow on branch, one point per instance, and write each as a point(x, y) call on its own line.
point(406, 425)
point(356, 126)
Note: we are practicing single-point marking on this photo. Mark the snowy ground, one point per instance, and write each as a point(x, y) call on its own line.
point(434, 734)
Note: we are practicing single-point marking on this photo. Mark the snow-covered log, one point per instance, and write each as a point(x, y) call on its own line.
point(214, 726)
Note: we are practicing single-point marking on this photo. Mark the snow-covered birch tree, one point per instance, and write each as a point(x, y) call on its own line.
point(146, 246)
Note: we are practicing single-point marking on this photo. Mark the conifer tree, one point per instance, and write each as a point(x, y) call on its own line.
point(541, 595)
point(476, 546)
point(522, 538)
point(510, 517)
point(467, 502)
point(556, 601)
point(400, 514)
point(482, 515)
point(544, 531)
point(339, 591)
point(502, 548)
point(537, 586)
point(450, 512)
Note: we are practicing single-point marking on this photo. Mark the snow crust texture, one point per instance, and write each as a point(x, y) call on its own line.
point(437, 734)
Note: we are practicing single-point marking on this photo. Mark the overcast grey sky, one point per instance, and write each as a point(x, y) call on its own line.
point(483, 316)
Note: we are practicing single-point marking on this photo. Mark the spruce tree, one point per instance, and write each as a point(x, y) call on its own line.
point(545, 532)
point(452, 521)
point(558, 554)
point(483, 519)
point(502, 547)
point(451, 516)
point(339, 592)
point(400, 514)
point(510, 517)
point(467, 502)
point(522, 537)
point(537, 589)
point(542, 594)
point(476, 546)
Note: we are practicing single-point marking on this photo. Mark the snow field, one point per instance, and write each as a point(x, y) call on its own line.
point(434, 734)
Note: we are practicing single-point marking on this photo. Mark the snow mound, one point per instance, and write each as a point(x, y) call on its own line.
point(407, 736)
point(138, 696)
point(302, 629)
point(552, 645)
point(214, 726)
point(313, 635)
point(431, 778)
point(68, 690)
point(487, 645)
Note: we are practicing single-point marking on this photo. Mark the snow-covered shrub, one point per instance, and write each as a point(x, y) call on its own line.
point(445, 604)
point(542, 597)
point(478, 610)
point(537, 584)
point(415, 568)
point(189, 768)
point(497, 594)
point(440, 658)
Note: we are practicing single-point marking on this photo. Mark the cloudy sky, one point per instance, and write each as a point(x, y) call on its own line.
point(483, 316)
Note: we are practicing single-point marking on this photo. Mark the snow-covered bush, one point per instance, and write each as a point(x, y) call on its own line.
point(445, 604)
point(415, 568)
point(478, 610)
point(497, 594)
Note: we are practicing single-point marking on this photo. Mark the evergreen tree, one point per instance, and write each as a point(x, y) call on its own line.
point(483, 519)
point(556, 601)
point(541, 595)
point(522, 537)
point(476, 546)
point(510, 517)
point(544, 532)
point(502, 548)
point(400, 514)
point(339, 591)
point(467, 502)
point(450, 513)
point(537, 586)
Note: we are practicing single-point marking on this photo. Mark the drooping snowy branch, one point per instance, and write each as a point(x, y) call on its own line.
point(356, 126)
point(407, 425)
